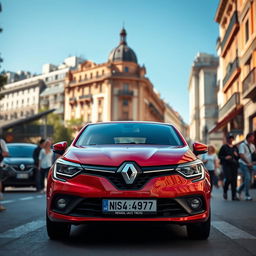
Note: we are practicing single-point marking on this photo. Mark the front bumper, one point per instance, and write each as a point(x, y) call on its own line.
point(173, 189)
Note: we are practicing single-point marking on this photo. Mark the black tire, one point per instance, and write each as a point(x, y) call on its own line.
point(57, 230)
point(199, 231)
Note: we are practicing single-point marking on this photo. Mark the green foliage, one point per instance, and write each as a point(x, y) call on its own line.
point(60, 132)
point(3, 81)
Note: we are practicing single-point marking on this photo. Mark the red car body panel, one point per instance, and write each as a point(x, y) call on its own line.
point(91, 186)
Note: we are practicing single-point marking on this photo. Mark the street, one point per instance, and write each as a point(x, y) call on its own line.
point(23, 232)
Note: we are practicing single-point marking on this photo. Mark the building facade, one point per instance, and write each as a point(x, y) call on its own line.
point(21, 99)
point(237, 53)
point(112, 91)
point(203, 99)
point(26, 95)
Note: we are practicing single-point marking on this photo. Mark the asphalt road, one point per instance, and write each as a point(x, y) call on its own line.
point(23, 232)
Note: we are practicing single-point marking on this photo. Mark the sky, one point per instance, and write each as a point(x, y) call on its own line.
point(166, 35)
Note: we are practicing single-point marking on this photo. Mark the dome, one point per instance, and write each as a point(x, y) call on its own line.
point(122, 52)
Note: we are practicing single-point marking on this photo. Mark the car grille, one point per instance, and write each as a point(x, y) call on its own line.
point(147, 173)
point(92, 207)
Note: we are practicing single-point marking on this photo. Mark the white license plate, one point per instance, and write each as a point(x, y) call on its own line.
point(22, 176)
point(128, 206)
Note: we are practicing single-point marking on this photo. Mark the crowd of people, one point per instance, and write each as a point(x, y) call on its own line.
point(43, 160)
point(231, 159)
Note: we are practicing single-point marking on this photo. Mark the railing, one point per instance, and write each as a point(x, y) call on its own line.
point(125, 93)
point(72, 99)
point(85, 97)
point(232, 66)
point(230, 105)
point(233, 21)
point(249, 82)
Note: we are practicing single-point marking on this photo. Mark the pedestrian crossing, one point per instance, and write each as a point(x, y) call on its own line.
point(224, 227)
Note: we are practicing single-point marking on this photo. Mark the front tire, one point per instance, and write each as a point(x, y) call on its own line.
point(199, 231)
point(57, 230)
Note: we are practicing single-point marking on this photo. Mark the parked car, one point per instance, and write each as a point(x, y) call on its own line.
point(21, 162)
point(128, 171)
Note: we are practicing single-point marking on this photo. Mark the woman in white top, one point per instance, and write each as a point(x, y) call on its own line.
point(210, 161)
point(45, 162)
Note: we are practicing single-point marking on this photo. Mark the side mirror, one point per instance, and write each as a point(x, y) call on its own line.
point(60, 147)
point(199, 148)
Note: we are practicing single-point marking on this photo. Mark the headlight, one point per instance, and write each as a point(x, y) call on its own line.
point(65, 169)
point(191, 170)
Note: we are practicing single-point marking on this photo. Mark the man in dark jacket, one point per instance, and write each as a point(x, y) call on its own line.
point(36, 161)
point(229, 156)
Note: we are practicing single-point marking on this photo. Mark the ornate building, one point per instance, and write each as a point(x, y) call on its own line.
point(115, 90)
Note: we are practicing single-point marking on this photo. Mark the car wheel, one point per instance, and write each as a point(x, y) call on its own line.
point(57, 230)
point(199, 231)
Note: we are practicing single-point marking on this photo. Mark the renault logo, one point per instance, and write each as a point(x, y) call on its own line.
point(22, 167)
point(129, 172)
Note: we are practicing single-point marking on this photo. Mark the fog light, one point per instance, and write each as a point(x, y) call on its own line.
point(61, 203)
point(195, 203)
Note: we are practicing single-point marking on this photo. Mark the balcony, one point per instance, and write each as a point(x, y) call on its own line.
point(72, 100)
point(230, 33)
point(126, 93)
point(85, 97)
point(249, 85)
point(230, 105)
point(232, 71)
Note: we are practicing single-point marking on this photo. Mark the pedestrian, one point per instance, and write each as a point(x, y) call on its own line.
point(3, 153)
point(247, 164)
point(36, 162)
point(210, 161)
point(45, 162)
point(229, 156)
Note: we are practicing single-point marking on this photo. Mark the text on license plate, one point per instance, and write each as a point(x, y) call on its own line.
point(115, 205)
point(22, 176)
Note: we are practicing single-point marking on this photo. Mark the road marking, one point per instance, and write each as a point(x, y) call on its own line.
point(231, 231)
point(21, 199)
point(23, 229)
point(7, 201)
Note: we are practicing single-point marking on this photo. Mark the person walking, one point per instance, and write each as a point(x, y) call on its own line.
point(229, 156)
point(3, 153)
point(45, 162)
point(211, 162)
point(36, 162)
point(247, 164)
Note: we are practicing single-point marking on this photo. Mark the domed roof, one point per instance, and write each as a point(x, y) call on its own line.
point(122, 52)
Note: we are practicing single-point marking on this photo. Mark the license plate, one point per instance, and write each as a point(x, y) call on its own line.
point(22, 176)
point(128, 207)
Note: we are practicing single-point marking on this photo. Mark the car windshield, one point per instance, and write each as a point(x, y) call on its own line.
point(129, 133)
point(21, 150)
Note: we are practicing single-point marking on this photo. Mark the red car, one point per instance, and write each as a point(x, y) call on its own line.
point(128, 171)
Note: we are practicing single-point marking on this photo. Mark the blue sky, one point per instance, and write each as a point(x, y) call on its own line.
point(166, 35)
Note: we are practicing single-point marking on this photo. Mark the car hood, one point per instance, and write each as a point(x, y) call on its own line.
point(115, 155)
point(18, 160)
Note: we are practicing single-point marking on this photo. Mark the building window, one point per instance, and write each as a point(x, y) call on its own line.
point(126, 87)
point(91, 75)
point(125, 102)
point(125, 115)
point(100, 88)
point(126, 69)
point(89, 118)
point(46, 79)
point(103, 71)
point(99, 117)
point(246, 30)
point(56, 77)
point(100, 102)
point(97, 74)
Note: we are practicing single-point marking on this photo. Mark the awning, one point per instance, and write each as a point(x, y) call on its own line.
point(226, 119)
point(9, 124)
point(52, 91)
